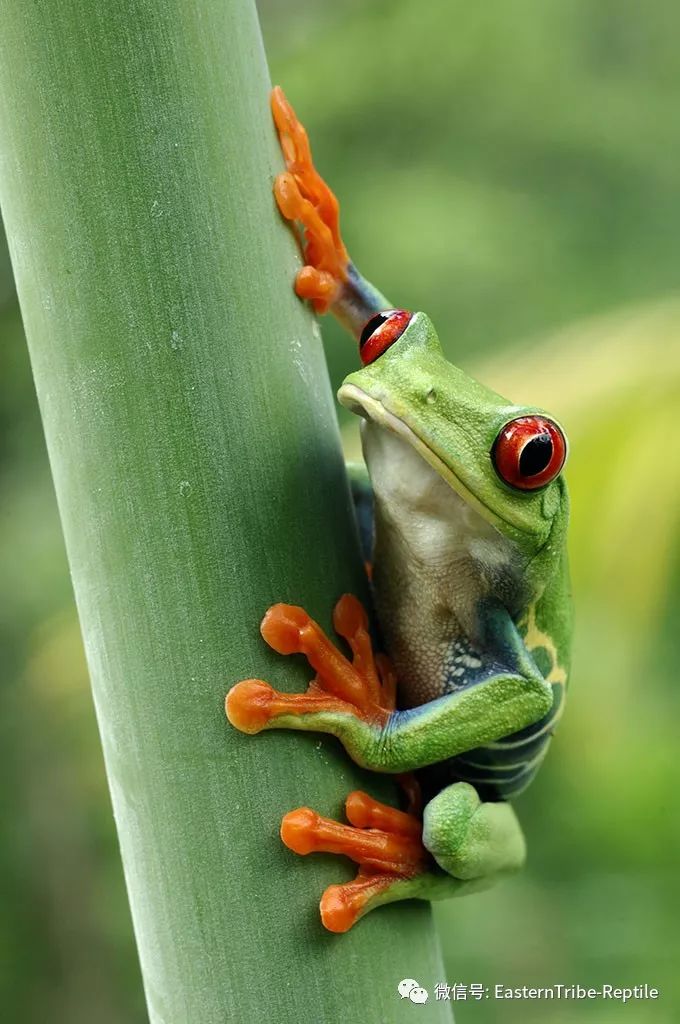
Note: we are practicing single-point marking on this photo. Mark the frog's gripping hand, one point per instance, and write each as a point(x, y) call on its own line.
point(328, 280)
point(359, 691)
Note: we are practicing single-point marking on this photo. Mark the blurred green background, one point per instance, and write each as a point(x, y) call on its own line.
point(512, 168)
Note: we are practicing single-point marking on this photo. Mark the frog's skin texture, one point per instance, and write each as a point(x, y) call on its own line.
point(462, 515)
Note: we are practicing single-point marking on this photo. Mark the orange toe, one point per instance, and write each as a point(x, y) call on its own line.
point(349, 616)
point(249, 705)
point(365, 812)
point(281, 627)
point(395, 851)
point(342, 905)
point(288, 197)
point(298, 830)
point(317, 286)
point(336, 915)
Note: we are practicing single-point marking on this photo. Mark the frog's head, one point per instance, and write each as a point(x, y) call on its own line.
point(503, 460)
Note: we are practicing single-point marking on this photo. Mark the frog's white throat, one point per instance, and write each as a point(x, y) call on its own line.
point(422, 510)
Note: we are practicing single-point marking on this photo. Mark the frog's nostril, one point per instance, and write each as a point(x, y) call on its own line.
point(431, 396)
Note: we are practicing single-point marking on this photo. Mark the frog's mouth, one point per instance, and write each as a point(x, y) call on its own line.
point(370, 408)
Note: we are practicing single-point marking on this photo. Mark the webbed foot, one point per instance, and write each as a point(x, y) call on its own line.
point(384, 842)
point(304, 197)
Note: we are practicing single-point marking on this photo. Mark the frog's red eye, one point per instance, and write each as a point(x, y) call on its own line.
point(529, 452)
point(381, 331)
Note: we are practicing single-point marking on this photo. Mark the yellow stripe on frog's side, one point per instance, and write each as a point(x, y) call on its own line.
point(535, 637)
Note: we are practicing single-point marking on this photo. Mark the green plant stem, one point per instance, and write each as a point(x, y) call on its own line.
point(195, 456)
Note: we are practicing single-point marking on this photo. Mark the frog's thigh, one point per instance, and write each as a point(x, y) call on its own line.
point(469, 838)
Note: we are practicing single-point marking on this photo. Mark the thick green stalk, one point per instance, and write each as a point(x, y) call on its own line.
point(196, 461)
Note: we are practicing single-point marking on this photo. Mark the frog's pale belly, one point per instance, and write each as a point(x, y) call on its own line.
point(435, 560)
point(418, 628)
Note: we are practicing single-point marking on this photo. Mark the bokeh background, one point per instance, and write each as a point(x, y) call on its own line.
point(512, 168)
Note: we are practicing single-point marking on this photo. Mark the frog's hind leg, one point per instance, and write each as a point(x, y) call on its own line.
point(328, 280)
point(470, 846)
point(462, 845)
point(384, 842)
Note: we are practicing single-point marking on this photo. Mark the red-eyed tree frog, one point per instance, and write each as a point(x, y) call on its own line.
point(463, 517)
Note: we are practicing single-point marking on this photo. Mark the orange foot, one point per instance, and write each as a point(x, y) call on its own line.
point(384, 842)
point(364, 688)
point(302, 195)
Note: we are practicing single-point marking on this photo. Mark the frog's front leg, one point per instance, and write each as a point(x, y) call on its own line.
point(329, 280)
point(355, 701)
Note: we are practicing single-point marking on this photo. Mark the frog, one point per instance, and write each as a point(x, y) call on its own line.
point(462, 512)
